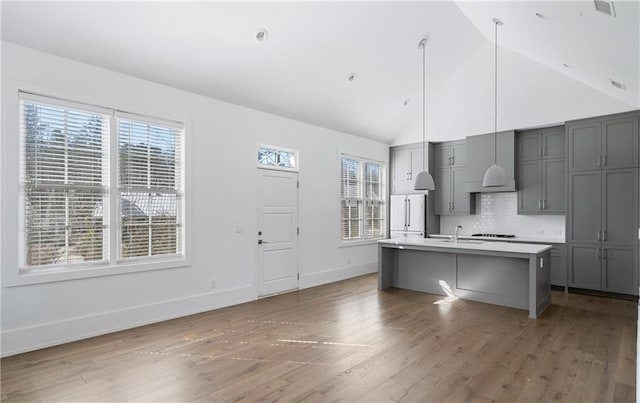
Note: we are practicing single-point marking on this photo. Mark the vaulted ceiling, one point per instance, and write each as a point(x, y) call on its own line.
point(301, 70)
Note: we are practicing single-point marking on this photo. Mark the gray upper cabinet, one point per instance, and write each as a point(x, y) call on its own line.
point(480, 156)
point(450, 176)
point(603, 143)
point(406, 163)
point(449, 154)
point(541, 171)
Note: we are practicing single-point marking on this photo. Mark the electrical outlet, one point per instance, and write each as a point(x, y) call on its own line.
point(213, 283)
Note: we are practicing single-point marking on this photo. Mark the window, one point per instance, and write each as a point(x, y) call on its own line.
point(67, 192)
point(362, 198)
point(278, 158)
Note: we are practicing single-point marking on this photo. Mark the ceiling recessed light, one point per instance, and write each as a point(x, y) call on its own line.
point(540, 15)
point(262, 35)
point(618, 85)
point(566, 66)
point(351, 77)
point(406, 103)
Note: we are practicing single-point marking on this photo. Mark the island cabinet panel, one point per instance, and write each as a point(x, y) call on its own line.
point(410, 273)
point(510, 279)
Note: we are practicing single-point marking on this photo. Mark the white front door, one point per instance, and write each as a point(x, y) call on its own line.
point(277, 231)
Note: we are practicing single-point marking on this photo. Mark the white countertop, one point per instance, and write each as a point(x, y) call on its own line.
point(516, 239)
point(487, 246)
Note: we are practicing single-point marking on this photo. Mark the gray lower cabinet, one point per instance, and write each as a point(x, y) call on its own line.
point(559, 265)
point(450, 196)
point(541, 171)
point(602, 225)
point(406, 163)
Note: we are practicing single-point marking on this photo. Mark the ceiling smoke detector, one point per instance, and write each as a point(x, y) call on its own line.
point(618, 85)
point(262, 35)
point(605, 6)
point(351, 77)
point(406, 103)
point(540, 15)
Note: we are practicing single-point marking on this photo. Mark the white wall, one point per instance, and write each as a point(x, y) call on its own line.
point(222, 140)
point(529, 95)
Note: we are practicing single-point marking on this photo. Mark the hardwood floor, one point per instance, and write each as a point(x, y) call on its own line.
point(348, 341)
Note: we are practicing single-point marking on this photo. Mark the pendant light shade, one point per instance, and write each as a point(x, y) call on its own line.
point(495, 175)
point(424, 180)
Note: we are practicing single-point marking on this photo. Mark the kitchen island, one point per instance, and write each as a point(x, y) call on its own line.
point(516, 275)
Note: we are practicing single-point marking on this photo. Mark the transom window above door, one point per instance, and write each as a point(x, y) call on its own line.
point(277, 158)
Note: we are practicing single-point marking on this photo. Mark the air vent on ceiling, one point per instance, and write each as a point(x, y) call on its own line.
point(605, 6)
point(618, 85)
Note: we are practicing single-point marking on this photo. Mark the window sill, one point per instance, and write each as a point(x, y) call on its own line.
point(65, 274)
point(359, 242)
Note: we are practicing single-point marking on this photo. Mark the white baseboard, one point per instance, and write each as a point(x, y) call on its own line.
point(31, 338)
point(331, 276)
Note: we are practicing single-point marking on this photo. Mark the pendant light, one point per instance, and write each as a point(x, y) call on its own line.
point(424, 180)
point(495, 175)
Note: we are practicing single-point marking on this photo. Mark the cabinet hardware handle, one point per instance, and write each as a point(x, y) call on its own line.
point(539, 151)
point(544, 204)
point(409, 213)
point(405, 213)
point(453, 205)
point(539, 204)
point(449, 160)
point(544, 151)
point(453, 160)
point(604, 160)
point(604, 235)
point(599, 235)
point(598, 163)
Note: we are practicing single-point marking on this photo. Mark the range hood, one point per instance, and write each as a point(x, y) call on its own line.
point(480, 158)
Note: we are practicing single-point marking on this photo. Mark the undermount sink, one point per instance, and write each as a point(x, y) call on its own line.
point(467, 241)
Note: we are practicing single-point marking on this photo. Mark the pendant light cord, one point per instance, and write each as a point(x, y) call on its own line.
point(424, 105)
point(495, 98)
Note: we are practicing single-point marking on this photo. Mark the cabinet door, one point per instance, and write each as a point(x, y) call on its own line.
point(441, 156)
point(401, 167)
point(584, 266)
point(530, 187)
point(558, 266)
point(553, 142)
point(553, 186)
point(416, 163)
point(584, 142)
point(529, 147)
point(461, 200)
point(458, 153)
point(620, 142)
point(619, 218)
point(442, 194)
point(619, 270)
point(585, 207)
point(416, 212)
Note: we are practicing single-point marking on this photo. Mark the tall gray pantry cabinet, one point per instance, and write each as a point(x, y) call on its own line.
point(602, 203)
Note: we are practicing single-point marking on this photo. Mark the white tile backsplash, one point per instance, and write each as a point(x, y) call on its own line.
point(497, 213)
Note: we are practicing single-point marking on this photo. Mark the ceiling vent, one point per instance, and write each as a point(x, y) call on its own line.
point(605, 6)
point(618, 85)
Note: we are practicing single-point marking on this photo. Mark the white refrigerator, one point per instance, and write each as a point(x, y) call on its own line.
point(408, 216)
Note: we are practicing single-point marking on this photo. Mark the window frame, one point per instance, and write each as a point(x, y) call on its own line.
point(363, 239)
point(278, 149)
point(25, 275)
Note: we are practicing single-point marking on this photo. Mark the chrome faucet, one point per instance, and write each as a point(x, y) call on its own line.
point(455, 234)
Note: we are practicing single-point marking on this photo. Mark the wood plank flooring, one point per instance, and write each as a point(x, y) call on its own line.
point(349, 342)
